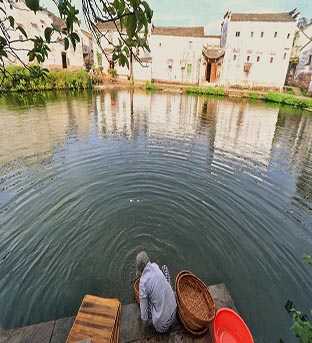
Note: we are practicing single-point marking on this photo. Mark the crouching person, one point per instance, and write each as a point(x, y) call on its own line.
point(157, 299)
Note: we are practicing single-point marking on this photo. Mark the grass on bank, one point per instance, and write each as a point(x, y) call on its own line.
point(280, 98)
point(205, 91)
point(288, 100)
point(20, 79)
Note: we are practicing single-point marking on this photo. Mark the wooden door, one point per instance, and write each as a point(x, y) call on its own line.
point(213, 72)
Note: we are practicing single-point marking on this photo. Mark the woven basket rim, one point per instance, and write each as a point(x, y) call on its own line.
point(204, 289)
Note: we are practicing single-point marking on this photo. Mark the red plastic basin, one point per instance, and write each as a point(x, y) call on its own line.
point(229, 327)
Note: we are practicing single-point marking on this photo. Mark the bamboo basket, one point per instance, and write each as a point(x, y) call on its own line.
point(136, 290)
point(200, 332)
point(196, 307)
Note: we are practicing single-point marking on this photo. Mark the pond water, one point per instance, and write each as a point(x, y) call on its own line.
point(217, 186)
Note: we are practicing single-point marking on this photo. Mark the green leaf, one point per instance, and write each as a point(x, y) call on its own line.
point(3, 53)
point(75, 37)
point(20, 28)
point(11, 20)
point(131, 24)
point(33, 5)
point(31, 56)
point(122, 60)
point(48, 33)
point(66, 43)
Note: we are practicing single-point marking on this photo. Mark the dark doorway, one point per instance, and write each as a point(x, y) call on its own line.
point(208, 72)
point(211, 72)
point(64, 60)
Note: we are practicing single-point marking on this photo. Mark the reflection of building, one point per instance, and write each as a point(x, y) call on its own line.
point(257, 48)
point(245, 131)
point(48, 129)
point(237, 129)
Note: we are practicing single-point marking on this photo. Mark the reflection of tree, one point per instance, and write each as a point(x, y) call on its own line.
point(207, 110)
point(303, 152)
point(304, 181)
point(286, 129)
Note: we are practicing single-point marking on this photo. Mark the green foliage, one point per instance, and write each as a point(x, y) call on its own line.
point(96, 80)
point(308, 259)
point(288, 100)
point(301, 327)
point(113, 73)
point(254, 95)
point(150, 86)
point(19, 79)
point(205, 91)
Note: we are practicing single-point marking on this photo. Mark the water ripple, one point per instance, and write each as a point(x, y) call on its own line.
point(218, 187)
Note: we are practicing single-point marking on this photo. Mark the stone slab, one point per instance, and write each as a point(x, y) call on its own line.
point(38, 333)
point(61, 330)
point(221, 296)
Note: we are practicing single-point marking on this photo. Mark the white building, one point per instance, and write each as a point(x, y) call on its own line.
point(177, 53)
point(257, 48)
point(34, 25)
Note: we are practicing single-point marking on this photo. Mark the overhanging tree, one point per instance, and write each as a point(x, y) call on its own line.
point(130, 18)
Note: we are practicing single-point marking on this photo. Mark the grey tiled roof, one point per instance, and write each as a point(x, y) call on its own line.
point(262, 17)
point(197, 31)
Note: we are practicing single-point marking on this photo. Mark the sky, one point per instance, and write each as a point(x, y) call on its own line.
point(209, 13)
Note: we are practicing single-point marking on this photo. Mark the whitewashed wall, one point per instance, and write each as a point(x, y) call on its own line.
point(178, 52)
point(262, 72)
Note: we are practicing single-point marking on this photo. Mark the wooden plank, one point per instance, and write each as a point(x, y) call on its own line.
point(97, 319)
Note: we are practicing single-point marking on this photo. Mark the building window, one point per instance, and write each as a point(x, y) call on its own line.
point(285, 55)
point(190, 44)
point(288, 35)
point(262, 34)
point(64, 60)
point(251, 34)
point(258, 58)
point(275, 34)
point(310, 60)
point(234, 57)
point(160, 44)
point(248, 58)
point(189, 68)
point(271, 59)
point(237, 34)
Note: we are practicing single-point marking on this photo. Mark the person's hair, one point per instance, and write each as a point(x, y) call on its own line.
point(141, 261)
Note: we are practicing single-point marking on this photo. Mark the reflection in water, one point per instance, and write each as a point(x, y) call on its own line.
point(217, 186)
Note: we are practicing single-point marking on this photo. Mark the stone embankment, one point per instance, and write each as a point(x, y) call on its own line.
point(293, 99)
point(131, 329)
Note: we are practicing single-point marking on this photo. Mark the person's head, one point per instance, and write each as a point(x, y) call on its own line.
point(141, 261)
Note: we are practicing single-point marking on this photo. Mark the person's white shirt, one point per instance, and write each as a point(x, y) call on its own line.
point(154, 288)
